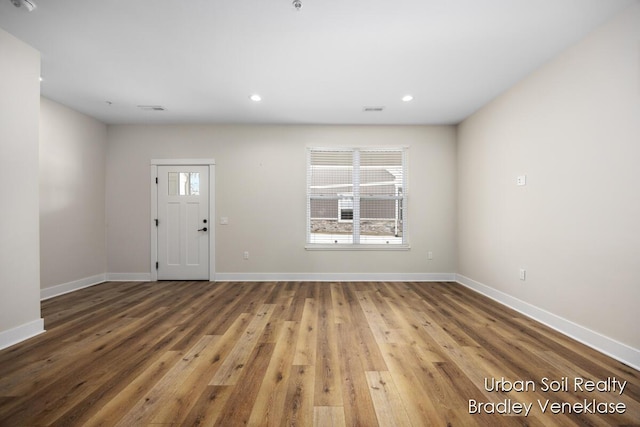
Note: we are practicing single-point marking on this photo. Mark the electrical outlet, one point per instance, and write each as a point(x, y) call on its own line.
point(523, 274)
point(521, 180)
point(245, 255)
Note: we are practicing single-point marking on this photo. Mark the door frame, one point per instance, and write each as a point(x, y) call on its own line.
point(154, 210)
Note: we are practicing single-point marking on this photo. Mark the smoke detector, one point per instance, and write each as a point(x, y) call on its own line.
point(28, 4)
point(296, 3)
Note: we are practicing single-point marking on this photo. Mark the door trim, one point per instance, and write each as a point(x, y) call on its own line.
point(154, 210)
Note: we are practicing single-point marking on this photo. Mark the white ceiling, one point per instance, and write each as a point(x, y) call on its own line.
point(202, 59)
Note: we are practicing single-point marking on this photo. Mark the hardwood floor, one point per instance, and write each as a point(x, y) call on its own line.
point(290, 353)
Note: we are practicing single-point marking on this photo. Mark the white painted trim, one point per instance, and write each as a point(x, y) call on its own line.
point(595, 340)
point(129, 277)
point(153, 232)
point(193, 162)
point(335, 277)
point(65, 288)
point(356, 247)
point(21, 333)
point(212, 221)
point(154, 210)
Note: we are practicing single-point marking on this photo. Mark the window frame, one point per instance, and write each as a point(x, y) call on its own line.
point(357, 200)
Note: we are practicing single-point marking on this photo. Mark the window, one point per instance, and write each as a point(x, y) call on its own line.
point(184, 183)
point(356, 198)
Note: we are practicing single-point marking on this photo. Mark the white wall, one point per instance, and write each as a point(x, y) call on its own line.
point(19, 247)
point(72, 196)
point(260, 187)
point(573, 128)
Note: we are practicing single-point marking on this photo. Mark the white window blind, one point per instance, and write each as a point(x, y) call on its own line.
point(356, 197)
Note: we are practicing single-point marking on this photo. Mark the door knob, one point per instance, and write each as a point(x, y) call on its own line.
point(203, 229)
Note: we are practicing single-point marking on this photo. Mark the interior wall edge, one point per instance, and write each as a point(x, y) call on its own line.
point(128, 277)
point(335, 277)
point(615, 349)
point(21, 333)
point(75, 285)
point(612, 348)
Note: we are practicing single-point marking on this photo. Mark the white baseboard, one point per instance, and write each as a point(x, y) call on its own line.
point(606, 345)
point(335, 277)
point(65, 288)
point(129, 277)
point(21, 333)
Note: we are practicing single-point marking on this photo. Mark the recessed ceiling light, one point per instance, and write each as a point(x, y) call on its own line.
point(407, 98)
point(255, 97)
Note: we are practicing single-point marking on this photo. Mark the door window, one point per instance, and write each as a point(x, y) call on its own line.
point(184, 183)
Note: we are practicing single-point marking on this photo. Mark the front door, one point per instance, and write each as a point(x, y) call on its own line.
point(183, 222)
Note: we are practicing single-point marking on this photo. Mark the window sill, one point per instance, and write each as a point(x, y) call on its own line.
point(344, 247)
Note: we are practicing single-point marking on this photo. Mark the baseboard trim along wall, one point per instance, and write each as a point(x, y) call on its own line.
point(21, 333)
point(606, 345)
point(335, 277)
point(65, 288)
point(128, 277)
point(599, 342)
point(75, 285)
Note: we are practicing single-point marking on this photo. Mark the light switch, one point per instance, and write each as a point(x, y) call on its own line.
point(224, 220)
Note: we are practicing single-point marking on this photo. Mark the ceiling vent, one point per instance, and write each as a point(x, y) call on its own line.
point(372, 109)
point(152, 108)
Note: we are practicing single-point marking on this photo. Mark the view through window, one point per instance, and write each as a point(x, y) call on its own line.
point(356, 196)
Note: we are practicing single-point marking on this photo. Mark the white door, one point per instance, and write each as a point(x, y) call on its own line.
point(183, 222)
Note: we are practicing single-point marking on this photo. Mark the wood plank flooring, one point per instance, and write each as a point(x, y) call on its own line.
point(303, 354)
